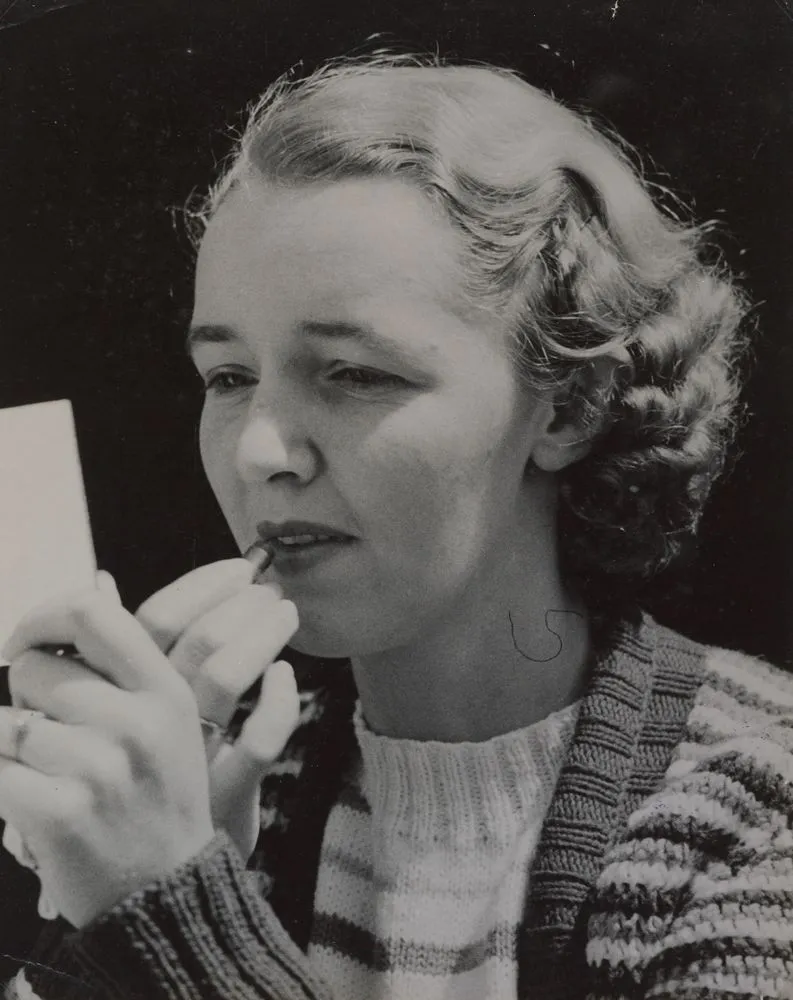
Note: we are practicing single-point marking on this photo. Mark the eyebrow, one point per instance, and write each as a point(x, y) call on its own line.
point(208, 333)
point(214, 333)
point(362, 334)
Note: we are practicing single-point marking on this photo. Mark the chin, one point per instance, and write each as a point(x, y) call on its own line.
point(332, 638)
point(345, 628)
point(326, 647)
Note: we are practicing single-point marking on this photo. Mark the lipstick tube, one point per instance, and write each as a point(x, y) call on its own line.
point(259, 555)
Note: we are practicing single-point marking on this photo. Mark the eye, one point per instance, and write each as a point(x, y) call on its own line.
point(362, 377)
point(222, 381)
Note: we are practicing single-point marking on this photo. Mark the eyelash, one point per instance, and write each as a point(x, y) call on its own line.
point(360, 377)
point(219, 381)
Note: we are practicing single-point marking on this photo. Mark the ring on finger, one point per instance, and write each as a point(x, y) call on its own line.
point(21, 726)
point(18, 848)
point(214, 735)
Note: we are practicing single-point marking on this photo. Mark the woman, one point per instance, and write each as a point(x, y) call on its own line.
point(470, 387)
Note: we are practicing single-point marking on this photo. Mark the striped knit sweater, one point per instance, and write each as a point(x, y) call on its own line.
point(664, 868)
point(426, 857)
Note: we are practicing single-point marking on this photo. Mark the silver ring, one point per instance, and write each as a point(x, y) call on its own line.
point(17, 848)
point(214, 735)
point(28, 858)
point(212, 730)
point(20, 730)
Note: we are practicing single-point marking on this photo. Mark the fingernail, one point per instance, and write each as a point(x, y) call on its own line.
point(259, 555)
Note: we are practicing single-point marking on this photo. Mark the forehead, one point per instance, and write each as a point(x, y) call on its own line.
point(343, 240)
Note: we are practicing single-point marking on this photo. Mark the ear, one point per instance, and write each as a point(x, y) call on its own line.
point(563, 433)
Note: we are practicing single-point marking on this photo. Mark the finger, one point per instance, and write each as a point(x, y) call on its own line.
point(227, 674)
point(54, 748)
point(273, 721)
point(17, 848)
point(222, 625)
point(27, 797)
point(63, 688)
point(166, 614)
point(107, 585)
point(110, 640)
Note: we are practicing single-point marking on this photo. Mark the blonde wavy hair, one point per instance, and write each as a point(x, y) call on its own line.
point(567, 241)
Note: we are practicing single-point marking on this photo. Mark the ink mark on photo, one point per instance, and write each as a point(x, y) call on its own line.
point(552, 631)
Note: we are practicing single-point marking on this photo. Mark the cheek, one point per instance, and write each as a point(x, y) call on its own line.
point(217, 449)
point(208, 448)
point(434, 472)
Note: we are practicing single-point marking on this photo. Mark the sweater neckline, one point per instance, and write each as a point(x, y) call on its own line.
point(436, 793)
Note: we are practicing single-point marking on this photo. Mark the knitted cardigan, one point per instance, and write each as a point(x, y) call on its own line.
point(664, 869)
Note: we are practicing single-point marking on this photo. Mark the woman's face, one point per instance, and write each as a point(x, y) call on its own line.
point(348, 392)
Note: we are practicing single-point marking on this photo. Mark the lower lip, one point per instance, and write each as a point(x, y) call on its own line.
point(296, 558)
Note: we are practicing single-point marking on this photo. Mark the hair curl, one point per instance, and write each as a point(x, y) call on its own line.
point(608, 293)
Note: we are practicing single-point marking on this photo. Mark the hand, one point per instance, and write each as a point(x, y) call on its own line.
point(221, 633)
point(110, 790)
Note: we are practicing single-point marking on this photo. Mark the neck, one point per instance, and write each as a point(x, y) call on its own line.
point(511, 652)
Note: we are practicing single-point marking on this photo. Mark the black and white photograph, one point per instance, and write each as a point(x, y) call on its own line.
point(396, 477)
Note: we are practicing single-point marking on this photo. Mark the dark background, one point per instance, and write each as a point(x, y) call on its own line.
point(112, 113)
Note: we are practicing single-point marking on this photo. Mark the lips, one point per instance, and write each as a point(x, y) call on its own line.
point(294, 535)
point(302, 548)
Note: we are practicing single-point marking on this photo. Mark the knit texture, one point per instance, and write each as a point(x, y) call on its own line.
point(424, 867)
point(631, 720)
point(664, 867)
point(205, 932)
point(697, 899)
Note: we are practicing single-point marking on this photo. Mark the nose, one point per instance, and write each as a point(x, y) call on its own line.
point(273, 446)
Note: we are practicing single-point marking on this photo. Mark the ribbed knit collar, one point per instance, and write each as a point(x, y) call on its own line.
point(463, 794)
point(632, 716)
